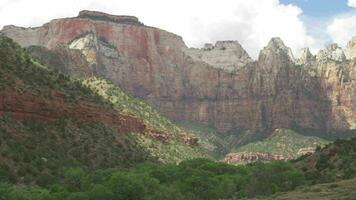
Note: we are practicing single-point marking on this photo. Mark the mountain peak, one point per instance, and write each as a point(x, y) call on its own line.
point(228, 55)
point(120, 19)
point(276, 46)
point(276, 43)
point(305, 56)
point(332, 52)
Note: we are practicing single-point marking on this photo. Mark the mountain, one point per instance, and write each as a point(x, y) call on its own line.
point(83, 102)
point(49, 121)
point(218, 85)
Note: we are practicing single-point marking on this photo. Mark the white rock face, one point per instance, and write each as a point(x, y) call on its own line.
point(227, 55)
point(332, 52)
point(89, 45)
point(32, 36)
point(276, 46)
point(306, 57)
point(351, 49)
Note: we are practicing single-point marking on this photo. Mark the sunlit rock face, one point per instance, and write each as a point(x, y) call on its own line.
point(219, 85)
point(351, 49)
point(227, 55)
point(332, 53)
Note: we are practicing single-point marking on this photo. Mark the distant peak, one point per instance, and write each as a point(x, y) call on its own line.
point(306, 51)
point(332, 47)
point(120, 19)
point(228, 44)
point(277, 46)
point(306, 56)
point(223, 45)
point(332, 52)
point(276, 43)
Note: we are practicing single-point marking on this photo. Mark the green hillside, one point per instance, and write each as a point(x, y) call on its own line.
point(172, 152)
point(283, 141)
point(333, 162)
point(36, 147)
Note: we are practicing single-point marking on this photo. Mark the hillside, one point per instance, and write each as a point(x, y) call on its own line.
point(49, 121)
point(283, 141)
point(333, 162)
point(209, 139)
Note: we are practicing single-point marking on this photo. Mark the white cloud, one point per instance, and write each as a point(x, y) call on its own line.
point(251, 22)
point(351, 3)
point(342, 28)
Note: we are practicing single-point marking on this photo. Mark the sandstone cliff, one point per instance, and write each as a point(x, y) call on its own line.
point(218, 85)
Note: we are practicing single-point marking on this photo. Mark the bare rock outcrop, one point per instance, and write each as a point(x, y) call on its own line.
point(304, 151)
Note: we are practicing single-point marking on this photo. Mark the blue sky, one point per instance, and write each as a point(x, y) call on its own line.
point(317, 15)
point(320, 8)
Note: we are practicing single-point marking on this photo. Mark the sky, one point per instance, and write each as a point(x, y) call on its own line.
point(299, 23)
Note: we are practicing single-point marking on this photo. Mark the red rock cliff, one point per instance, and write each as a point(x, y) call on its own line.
point(276, 91)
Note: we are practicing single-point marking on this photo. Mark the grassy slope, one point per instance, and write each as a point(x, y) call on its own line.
point(283, 141)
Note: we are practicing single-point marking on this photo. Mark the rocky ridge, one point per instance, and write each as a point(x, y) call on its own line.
point(218, 85)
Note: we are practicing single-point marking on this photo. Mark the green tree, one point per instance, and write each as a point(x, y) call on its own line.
point(78, 196)
point(5, 189)
point(73, 177)
point(100, 192)
point(126, 186)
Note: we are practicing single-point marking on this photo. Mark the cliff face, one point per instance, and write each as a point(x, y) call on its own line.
point(218, 85)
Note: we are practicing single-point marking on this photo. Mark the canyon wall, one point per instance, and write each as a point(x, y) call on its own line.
point(219, 85)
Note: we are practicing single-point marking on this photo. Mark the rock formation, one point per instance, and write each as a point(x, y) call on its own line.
point(308, 150)
point(250, 157)
point(218, 85)
point(227, 55)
